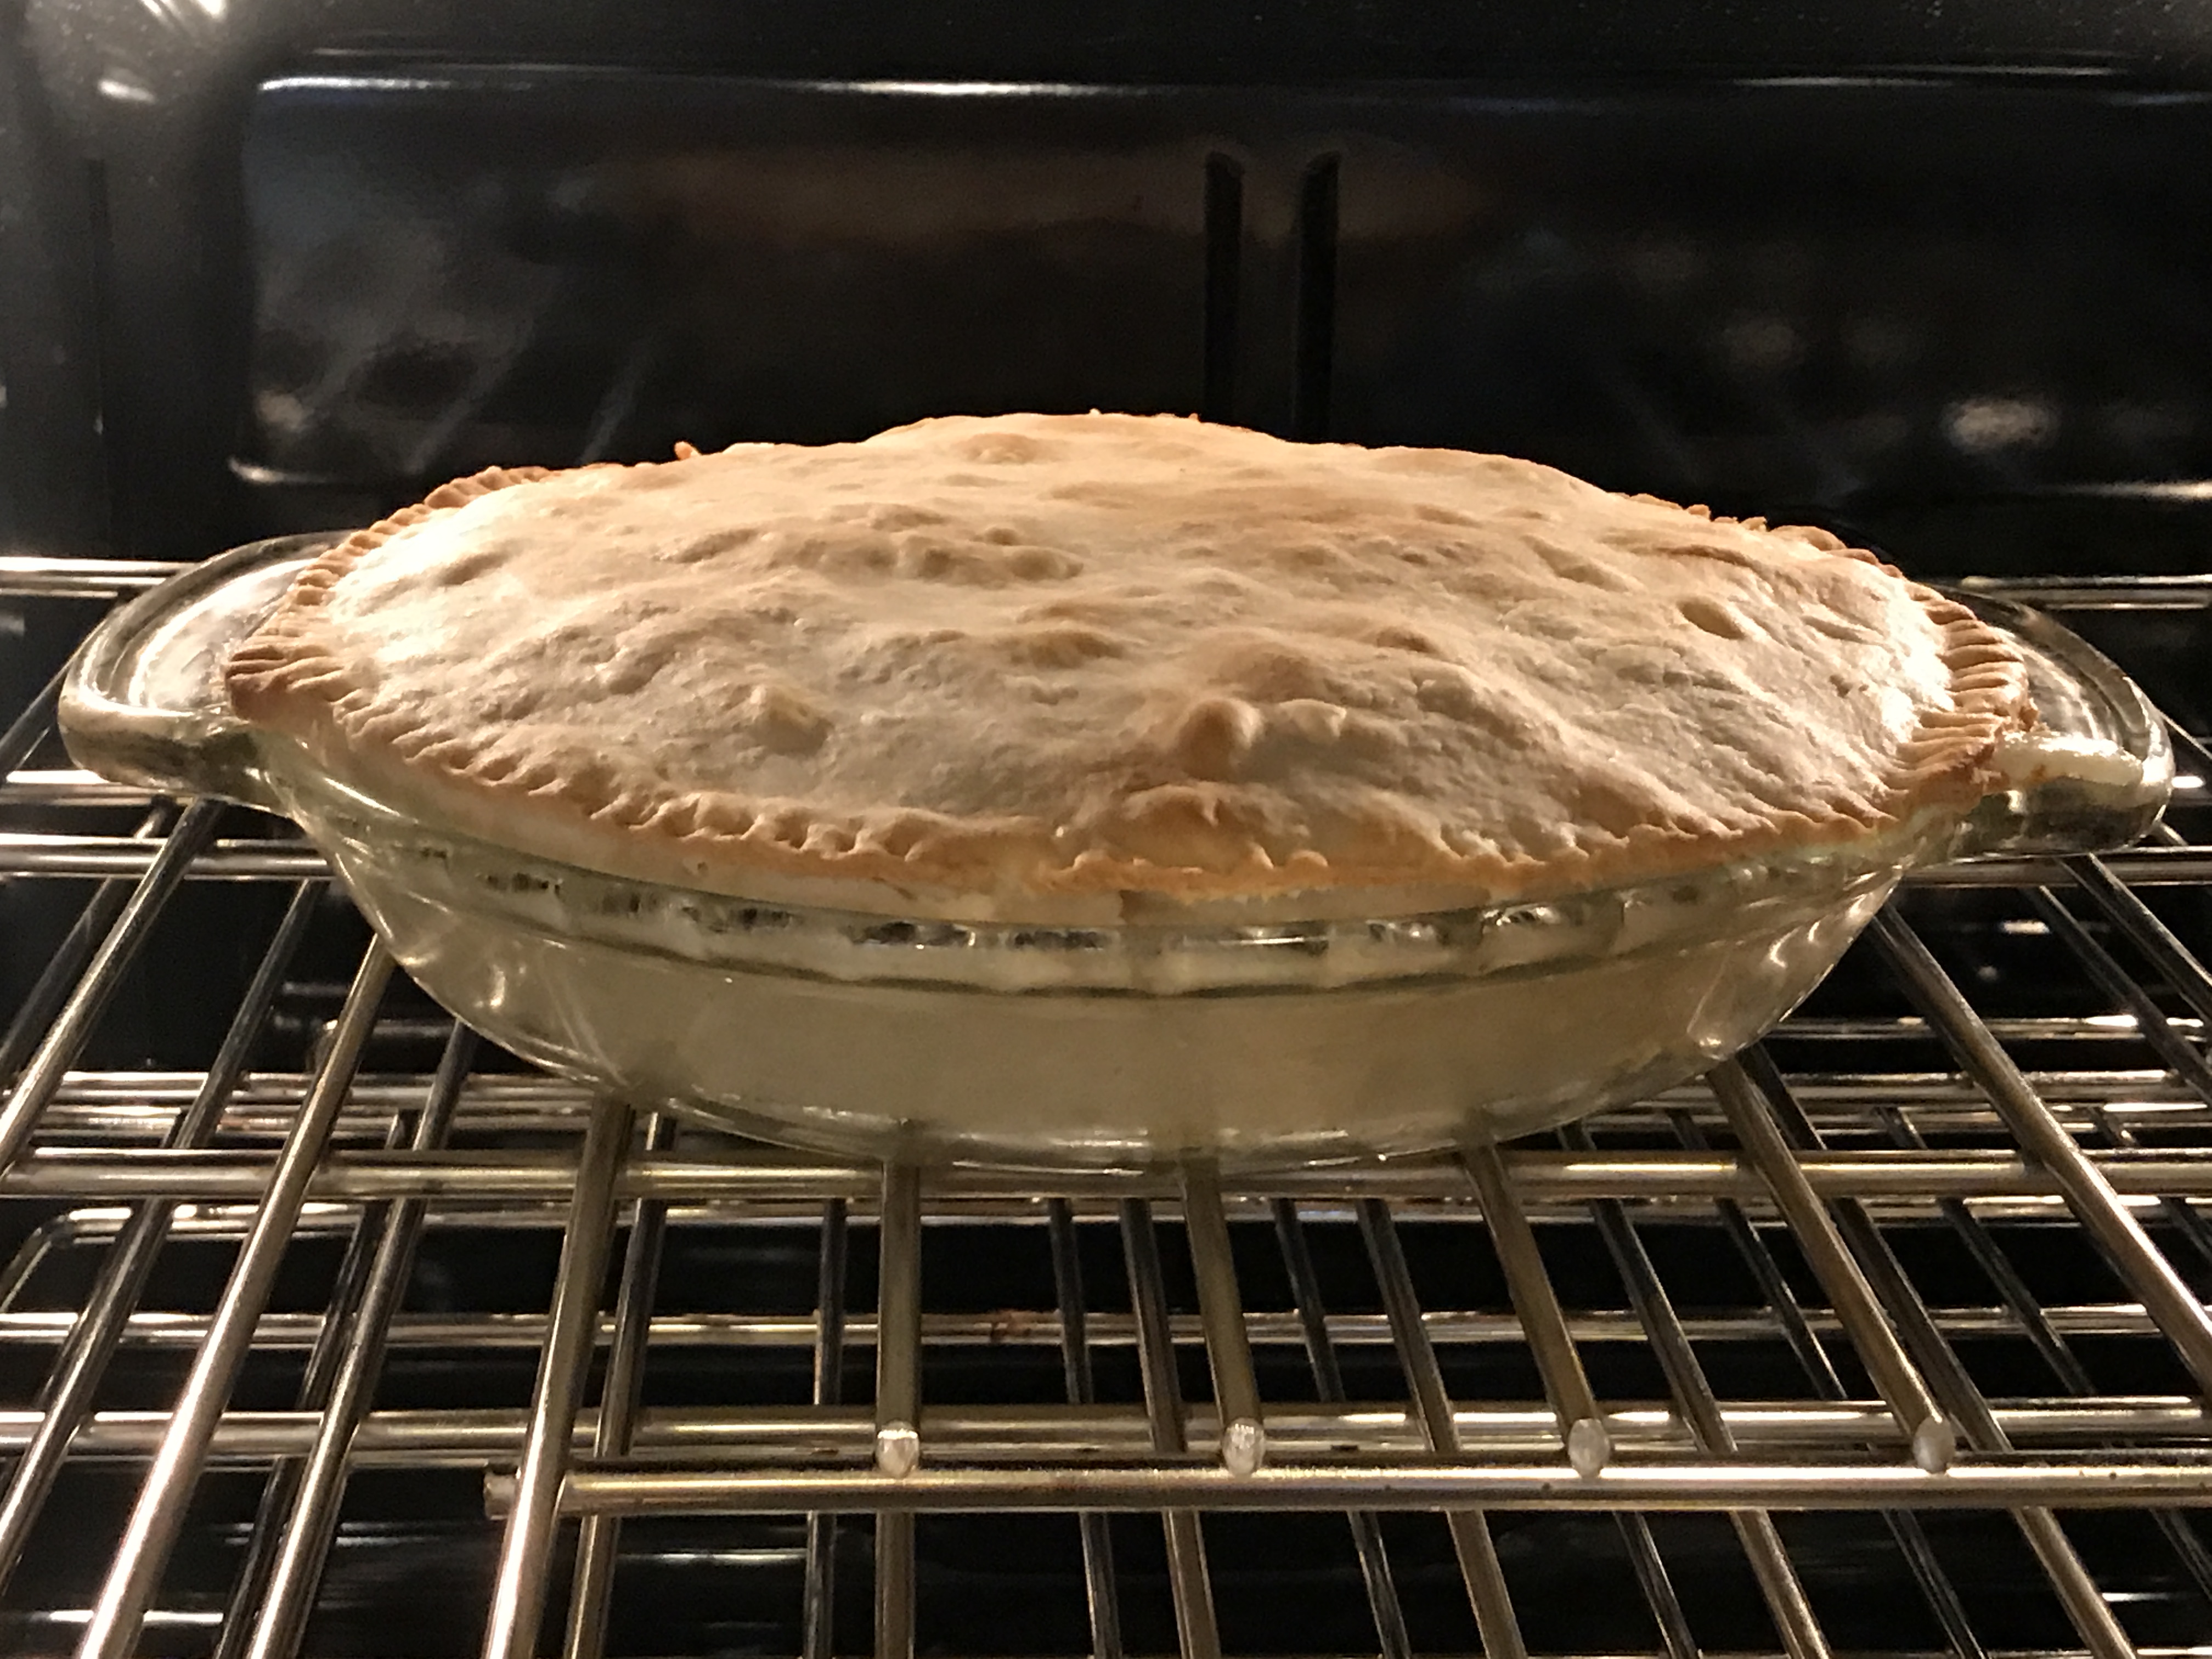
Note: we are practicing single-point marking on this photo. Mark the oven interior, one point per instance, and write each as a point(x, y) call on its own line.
point(326, 1329)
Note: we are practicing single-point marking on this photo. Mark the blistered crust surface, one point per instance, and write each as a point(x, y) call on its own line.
point(1023, 656)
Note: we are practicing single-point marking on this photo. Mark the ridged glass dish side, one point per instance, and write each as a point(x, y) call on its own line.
point(1269, 1041)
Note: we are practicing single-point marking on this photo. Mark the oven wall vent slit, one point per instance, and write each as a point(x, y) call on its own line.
point(1314, 352)
point(1224, 275)
point(1270, 300)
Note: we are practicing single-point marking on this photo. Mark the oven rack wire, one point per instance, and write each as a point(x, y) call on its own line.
point(1814, 1177)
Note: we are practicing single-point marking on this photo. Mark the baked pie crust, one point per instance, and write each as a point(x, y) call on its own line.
point(1043, 664)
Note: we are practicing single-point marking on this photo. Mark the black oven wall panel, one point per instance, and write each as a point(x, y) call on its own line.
point(305, 259)
point(53, 487)
point(1820, 299)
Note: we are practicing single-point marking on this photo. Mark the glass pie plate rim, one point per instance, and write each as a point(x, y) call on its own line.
point(1266, 1043)
point(140, 702)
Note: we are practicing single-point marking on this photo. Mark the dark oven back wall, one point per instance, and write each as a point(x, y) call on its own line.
point(1931, 311)
point(1834, 298)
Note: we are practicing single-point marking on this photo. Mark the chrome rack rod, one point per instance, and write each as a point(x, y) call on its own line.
point(1963, 1402)
point(1102, 1604)
point(24, 575)
point(29, 729)
point(525, 1551)
point(2090, 1196)
point(73, 1027)
point(1778, 1584)
point(119, 1611)
point(1932, 1437)
point(590, 1591)
point(58, 980)
point(898, 1398)
point(1367, 1540)
point(633, 1489)
point(2184, 1058)
point(548, 1098)
point(1495, 1621)
point(1795, 1324)
point(1243, 1445)
point(1797, 1329)
point(819, 1610)
point(2180, 1056)
point(2157, 1427)
point(276, 1332)
point(66, 1396)
point(2174, 961)
point(1197, 1636)
point(311, 1519)
point(1582, 1426)
point(325, 1360)
point(1582, 1433)
point(124, 858)
point(112, 1175)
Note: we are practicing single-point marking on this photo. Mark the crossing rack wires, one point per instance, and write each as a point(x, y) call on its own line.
point(1889, 1337)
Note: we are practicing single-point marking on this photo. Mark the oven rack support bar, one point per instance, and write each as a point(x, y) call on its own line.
point(1798, 1329)
point(1795, 1621)
point(1495, 1620)
point(1933, 1439)
point(118, 1174)
point(898, 1398)
point(1382, 1598)
point(65, 1398)
point(1244, 1440)
point(2162, 1428)
point(1582, 1435)
point(526, 1550)
point(119, 1611)
point(2094, 1199)
point(2079, 1482)
point(1100, 1603)
point(616, 1424)
point(311, 1524)
point(1189, 1583)
point(818, 1607)
point(1968, 1411)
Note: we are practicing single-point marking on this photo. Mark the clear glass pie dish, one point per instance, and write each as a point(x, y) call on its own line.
point(1272, 1041)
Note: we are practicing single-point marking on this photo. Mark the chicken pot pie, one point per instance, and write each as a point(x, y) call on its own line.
point(1099, 666)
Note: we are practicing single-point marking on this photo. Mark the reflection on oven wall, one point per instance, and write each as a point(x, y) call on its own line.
point(1805, 294)
point(296, 239)
point(1831, 297)
point(427, 301)
point(1848, 297)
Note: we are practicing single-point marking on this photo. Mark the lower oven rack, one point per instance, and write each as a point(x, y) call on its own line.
point(1930, 1267)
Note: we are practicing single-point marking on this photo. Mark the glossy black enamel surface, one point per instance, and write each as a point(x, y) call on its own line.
point(279, 264)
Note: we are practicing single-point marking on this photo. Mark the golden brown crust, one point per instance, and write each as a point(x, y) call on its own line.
point(1178, 822)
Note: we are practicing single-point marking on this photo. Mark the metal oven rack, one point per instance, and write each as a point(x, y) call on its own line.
point(1960, 1297)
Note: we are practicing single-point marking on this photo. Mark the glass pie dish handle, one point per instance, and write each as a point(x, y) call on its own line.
point(142, 701)
point(144, 704)
point(2096, 775)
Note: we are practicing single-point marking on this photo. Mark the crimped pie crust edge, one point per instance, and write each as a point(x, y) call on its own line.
point(286, 679)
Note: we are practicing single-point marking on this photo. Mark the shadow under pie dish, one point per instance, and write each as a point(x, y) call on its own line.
point(1084, 789)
